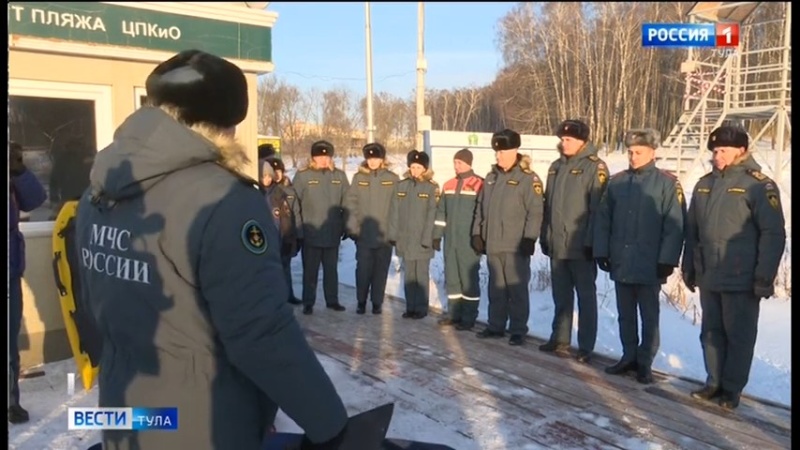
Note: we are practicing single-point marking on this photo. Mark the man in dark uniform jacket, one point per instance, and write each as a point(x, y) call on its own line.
point(735, 240)
point(575, 182)
point(321, 188)
point(181, 268)
point(508, 218)
point(411, 220)
point(368, 201)
point(638, 237)
point(454, 216)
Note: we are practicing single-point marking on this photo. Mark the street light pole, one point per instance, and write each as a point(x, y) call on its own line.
point(370, 126)
point(421, 68)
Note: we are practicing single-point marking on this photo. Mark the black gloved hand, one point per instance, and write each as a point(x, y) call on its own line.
point(15, 165)
point(331, 444)
point(545, 248)
point(587, 253)
point(689, 281)
point(604, 264)
point(477, 244)
point(437, 245)
point(664, 271)
point(527, 246)
point(393, 243)
point(763, 288)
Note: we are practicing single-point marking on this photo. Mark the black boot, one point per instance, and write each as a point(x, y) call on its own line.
point(419, 315)
point(446, 322)
point(487, 333)
point(308, 310)
point(361, 308)
point(336, 307)
point(408, 315)
point(464, 326)
point(583, 356)
point(644, 375)
point(516, 339)
point(377, 309)
point(295, 301)
point(17, 414)
point(729, 400)
point(707, 393)
point(561, 350)
point(621, 367)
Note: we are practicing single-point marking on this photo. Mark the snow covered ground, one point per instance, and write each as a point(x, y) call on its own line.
point(680, 353)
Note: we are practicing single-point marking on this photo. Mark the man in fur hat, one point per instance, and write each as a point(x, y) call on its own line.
point(321, 189)
point(367, 202)
point(575, 182)
point(286, 219)
point(181, 267)
point(413, 212)
point(454, 223)
point(638, 237)
point(508, 218)
point(735, 240)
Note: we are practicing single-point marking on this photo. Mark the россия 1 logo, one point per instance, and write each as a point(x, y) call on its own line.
point(683, 35)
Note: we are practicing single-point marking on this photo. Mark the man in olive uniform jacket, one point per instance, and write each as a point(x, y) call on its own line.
point(508, 218)
point(368, 201)
point(735, 240)
point(461, 263)
point(575, 182)
point(638, 233)
point(411, 230)
point(321, 188)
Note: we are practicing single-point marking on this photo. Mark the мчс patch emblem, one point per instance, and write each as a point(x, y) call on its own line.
point(253, 237)
point(772, 198)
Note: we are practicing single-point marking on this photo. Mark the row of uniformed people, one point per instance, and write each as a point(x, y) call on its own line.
point(320, 208)
point(635, 226)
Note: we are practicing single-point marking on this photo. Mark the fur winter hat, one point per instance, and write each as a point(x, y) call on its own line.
point(205, 88)
point(266, 151)
point(574, 129)
point(265, 167)
point(417, 157)
point(506, 140)
point(276, 164)
point(321, 148)
point(728, 136)
point(374, 150)
point(646, 136)
point(464, 155)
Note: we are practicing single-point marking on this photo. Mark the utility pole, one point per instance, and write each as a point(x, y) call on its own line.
point(370, 126)
point(421, 69)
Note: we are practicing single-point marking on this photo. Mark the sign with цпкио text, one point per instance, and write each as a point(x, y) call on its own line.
point(114, 25)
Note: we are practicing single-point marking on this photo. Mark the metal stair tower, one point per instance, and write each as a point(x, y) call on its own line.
point(749, 86)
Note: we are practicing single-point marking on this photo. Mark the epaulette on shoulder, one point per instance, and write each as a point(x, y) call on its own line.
point(527, 170)
point(669, 174)
point(758, 175)
point(594, 158)
point(246, 180)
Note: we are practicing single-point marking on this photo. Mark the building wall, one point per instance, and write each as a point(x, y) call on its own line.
point(43, 338)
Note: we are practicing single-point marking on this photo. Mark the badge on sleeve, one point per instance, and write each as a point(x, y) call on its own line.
point(602, 173)
point(253, 237)
point(772, 197)
point(679, 191)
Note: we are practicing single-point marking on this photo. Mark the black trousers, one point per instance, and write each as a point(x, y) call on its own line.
point(643, 297)
point(416, 284)
point(372, 269)
point(509, 296)
point(570, 276)
point(728, 336)
point(329, 258)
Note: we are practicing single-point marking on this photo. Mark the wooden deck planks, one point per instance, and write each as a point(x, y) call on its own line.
point(542, 401)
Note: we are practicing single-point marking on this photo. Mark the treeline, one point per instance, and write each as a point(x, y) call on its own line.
point(560, 60)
